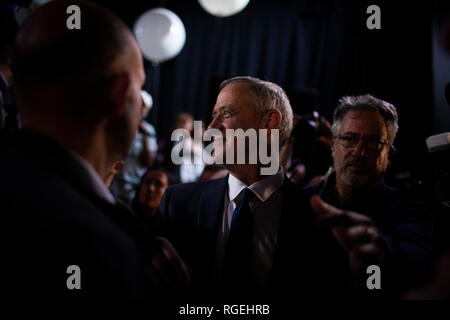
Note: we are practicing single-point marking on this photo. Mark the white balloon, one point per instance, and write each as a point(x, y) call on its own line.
point(223, 8)
point(160, 33)
point(21, 14)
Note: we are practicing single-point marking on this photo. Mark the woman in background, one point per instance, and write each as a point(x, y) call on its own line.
point(148, 196)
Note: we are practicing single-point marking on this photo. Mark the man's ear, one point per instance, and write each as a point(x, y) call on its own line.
point(117, 88)
point(333, 144)
point(272, 119)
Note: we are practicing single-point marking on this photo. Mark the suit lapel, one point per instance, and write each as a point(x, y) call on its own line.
point(211, 205)
point(207, 226)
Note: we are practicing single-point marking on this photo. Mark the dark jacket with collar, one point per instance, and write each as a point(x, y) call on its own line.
point(405, 226)
point(190, 216)
point(56, 219)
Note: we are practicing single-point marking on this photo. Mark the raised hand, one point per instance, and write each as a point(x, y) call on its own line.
point(355, 232)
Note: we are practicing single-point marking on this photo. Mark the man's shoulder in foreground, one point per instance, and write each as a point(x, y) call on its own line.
point(55, 221)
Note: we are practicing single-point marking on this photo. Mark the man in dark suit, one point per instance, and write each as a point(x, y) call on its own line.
point(202, 219)
point(78, 93)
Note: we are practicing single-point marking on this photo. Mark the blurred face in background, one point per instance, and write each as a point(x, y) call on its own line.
point(184, 121)
point(154, 184)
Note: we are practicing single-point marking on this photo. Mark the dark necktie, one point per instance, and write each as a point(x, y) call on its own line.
point(239, 246)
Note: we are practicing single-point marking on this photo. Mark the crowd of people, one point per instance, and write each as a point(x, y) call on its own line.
point(84, 181)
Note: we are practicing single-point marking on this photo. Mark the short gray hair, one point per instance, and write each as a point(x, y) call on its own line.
point(270, 96)
point(366, 103)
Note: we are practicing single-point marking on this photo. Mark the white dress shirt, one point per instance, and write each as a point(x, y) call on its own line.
point(266, 207)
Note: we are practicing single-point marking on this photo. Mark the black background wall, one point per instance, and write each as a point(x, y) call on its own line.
point(319, 44)
point(324, 45)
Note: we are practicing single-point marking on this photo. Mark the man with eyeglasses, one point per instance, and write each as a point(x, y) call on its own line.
point(374, 223)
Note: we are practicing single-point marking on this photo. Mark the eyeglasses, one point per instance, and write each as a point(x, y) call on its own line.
point(371, 144)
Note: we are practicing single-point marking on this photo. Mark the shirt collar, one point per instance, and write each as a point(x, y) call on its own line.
point(97, 182)
point(263, 188)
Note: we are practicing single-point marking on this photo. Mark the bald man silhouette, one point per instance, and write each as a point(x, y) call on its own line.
point(78, 94)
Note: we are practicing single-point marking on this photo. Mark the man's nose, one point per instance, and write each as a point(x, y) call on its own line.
point(215, 123)
point(360, 148)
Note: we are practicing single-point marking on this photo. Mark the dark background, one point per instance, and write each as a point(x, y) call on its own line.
point(322, 45)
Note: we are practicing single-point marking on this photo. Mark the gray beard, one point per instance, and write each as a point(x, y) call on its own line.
point(354, 184)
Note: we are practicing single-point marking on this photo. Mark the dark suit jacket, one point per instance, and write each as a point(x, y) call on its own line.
point(55, 219)
point(190, 215)
point(405, 225)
